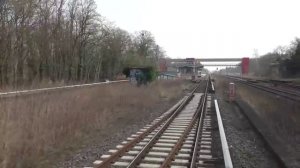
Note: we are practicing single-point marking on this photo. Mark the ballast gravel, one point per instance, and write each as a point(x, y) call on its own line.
point(247, 148)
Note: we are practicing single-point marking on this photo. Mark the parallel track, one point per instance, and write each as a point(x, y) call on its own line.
point(181, 137)
point(51, 89)
point(288, 94)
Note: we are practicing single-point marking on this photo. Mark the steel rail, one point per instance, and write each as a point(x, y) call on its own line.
point(288, 92)
point(20, 92)
point(156, 136)
point(285, 94)
point(212, 87)
point(200, 123)
point(115, 156)
point(179, 143)
point(275, 91)
point(152, 141)
point(279, 82)
point(248, 80)
point(283, 90)
point(225, 148)
point(293, 86)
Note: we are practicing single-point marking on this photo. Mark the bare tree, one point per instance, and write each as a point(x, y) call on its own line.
point(54, 40)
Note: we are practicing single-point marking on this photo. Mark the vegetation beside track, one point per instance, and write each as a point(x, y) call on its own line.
point(283, 62)
point(50, 42)
point(280, 115)
point(46, 128)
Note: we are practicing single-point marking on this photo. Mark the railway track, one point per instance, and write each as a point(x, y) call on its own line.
point(49, 89)
point(290, 94)
point(181, 137)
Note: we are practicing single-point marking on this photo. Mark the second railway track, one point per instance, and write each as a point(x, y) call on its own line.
point(181, 137)
point(291, 94)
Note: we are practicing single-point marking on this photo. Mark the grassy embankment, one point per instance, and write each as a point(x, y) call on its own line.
point(34, 128)
point(281, 115)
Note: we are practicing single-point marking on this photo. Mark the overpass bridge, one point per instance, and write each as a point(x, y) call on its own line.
point(202, 62)
point(194, 66)
point(221, 65)
point(211, 60)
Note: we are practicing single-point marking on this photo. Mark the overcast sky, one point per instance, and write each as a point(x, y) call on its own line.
point(209, 28)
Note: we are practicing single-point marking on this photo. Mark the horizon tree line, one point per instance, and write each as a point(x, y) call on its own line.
point(66, 41)
point(282, 62)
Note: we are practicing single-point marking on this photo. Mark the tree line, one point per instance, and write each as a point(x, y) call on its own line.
point(66, 40)
point(283, 62)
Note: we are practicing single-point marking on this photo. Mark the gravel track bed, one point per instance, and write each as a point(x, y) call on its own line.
point(247, 148)
point(216, 146)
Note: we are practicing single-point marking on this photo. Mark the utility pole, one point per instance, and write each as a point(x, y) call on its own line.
point(195, 67)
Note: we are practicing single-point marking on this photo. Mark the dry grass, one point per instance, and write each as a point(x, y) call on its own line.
point(33, 126)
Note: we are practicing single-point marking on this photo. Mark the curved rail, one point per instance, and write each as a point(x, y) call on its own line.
point(203, 135)
point(179, 143)
point(32, 91)
point(153, 140)
point(168, 118)
point(195, 151)
point(283, 93)
point(183, 136)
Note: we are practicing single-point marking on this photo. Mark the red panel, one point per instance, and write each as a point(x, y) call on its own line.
point(245, 65)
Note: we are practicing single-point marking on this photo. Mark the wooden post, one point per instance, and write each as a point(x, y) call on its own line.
point(232, 93)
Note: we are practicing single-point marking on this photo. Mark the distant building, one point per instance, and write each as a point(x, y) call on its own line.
point(186, 68)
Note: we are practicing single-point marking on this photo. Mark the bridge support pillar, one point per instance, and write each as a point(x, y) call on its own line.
point(245, 65)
